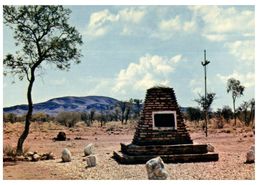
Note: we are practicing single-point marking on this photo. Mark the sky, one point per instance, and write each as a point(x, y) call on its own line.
point(128, 49)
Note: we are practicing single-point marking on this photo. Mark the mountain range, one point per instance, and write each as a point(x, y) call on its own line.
point(70, 104)
point(67, 104)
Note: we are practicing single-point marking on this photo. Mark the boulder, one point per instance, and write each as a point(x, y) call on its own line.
point(66, 155)
point(28, 158)
point(44, 157)
point(210, 148)
point(29, 153)
point(20, 158)
point(61, 136)
point(155, 169)
point(250, 156)
point(91, 161)
point(36, 157)
point(89, 149)
point(50, 156)
point(47, 156)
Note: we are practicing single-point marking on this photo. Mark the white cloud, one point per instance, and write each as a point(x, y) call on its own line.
point(176, 24)
point(230, 25)
point(176, 59)
point(190, 26)
point(196, 86)
point(99, 22)
point(221, 21)
point(147, 81)
point(215, 37)
point(168, 28)
point(197, 90)
point(134, 15)
point(102, 22)
point(148, 72)
point(243, 50)
point(248, 80)
point(170, 25)
point(101, 17)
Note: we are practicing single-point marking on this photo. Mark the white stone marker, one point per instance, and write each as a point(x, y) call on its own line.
point(155, 169)
point(66, 155)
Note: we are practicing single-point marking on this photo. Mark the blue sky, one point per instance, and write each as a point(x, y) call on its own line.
point(128, 49)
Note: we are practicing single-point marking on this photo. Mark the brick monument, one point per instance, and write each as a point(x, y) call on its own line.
point(161, 132)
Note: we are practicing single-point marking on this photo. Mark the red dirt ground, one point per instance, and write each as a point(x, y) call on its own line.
point(232, 148)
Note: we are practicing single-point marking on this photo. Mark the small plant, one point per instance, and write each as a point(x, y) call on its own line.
point(9, 150)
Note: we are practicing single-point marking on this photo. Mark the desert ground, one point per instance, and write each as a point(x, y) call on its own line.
point(232, 145)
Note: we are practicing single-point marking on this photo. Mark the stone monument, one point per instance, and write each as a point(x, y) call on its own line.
point(161, 132)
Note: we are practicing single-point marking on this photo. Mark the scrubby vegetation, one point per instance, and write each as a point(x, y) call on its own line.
point(195, 115)
point(221, 117)
point(9, 150)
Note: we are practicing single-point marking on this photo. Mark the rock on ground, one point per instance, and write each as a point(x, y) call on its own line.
point(89, 149)
point(155, 169)
point(91, 161)
point(210, 148)
point(250, 156)
point(36, 157)
point(66, 155)
point(61, 136)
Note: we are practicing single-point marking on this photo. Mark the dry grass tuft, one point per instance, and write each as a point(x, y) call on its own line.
point(10, 150)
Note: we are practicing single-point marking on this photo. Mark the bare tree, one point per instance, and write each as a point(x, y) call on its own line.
point(138, 106)
point(122, 107)
point(92, 114)
point(42, 34)
point(129, 106)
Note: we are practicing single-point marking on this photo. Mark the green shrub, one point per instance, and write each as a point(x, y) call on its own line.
point(68, 119)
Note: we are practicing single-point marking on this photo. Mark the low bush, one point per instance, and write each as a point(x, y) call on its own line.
point(68, 119)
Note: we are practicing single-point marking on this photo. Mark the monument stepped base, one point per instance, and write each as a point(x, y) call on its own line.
point(134, 154)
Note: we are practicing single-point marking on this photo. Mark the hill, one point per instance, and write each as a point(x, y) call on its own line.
point(67, 104)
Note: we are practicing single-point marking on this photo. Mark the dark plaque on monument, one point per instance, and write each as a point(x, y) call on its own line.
point(163, 120)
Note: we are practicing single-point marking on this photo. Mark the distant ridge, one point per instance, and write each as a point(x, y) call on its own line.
point(67, 104)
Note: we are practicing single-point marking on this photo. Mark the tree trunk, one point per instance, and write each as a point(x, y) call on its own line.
point(234, 107)
point(127, 115)
point(122, 118)
point(251, 118)
point(245, 118)
point(19, 149)
point(126, 119)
